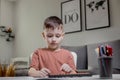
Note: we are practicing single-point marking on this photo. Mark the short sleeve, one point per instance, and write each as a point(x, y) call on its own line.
point(35, 60)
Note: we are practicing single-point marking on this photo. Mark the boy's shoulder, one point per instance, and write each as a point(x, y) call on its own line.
point(40, 49)
point(45, 49)
point(65, 50)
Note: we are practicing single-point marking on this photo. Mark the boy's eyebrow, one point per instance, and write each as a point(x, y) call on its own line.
point(50, 34)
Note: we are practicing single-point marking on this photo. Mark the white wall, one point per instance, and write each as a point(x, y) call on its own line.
point(30, 14)
point(30, 17)
point(6, 19)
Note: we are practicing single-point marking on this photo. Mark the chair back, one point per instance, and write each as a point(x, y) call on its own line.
point(74, 57)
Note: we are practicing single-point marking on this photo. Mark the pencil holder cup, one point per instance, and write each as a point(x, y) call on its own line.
point(105, 67)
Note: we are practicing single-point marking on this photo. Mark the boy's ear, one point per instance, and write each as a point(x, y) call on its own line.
point(63, 34)
point(43, 34)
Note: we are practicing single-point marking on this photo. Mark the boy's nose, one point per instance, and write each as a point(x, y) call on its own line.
point(54, 39)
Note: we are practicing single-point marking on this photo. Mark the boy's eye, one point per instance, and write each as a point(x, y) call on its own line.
point(49, 36)
point(58, 36)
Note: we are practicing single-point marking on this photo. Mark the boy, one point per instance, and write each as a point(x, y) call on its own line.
point(52, 60)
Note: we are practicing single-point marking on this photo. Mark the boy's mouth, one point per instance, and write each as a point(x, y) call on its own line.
point(53, 43)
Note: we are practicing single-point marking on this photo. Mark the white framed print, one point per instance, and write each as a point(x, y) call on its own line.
point(97, 14)
point(71, 16)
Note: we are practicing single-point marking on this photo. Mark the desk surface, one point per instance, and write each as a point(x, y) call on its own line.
point(94, 77)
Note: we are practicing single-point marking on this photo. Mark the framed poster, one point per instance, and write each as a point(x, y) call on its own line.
point(71, 16)
point(96, 14)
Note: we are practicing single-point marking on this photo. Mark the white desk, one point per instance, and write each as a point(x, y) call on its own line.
point(17, 78)
point(94, 77)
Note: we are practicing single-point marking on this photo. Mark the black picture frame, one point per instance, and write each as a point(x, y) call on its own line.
point(97, 14)
point(71, 16)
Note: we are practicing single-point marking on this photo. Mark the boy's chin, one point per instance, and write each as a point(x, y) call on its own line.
point(54, 48)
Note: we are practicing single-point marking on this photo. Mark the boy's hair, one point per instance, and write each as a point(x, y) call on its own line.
point(52, 22)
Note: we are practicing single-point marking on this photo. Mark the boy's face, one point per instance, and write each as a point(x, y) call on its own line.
point(53, 37)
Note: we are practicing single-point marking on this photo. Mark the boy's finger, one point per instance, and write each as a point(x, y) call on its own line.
point(47, 70)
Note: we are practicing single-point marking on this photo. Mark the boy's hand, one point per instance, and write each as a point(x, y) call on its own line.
point(65, 67)
point(44, 72)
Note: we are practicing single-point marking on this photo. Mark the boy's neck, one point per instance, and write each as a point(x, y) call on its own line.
point(57, 49)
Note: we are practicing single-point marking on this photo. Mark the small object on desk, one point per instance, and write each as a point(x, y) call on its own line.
point(83, 71)
point(105, 61)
